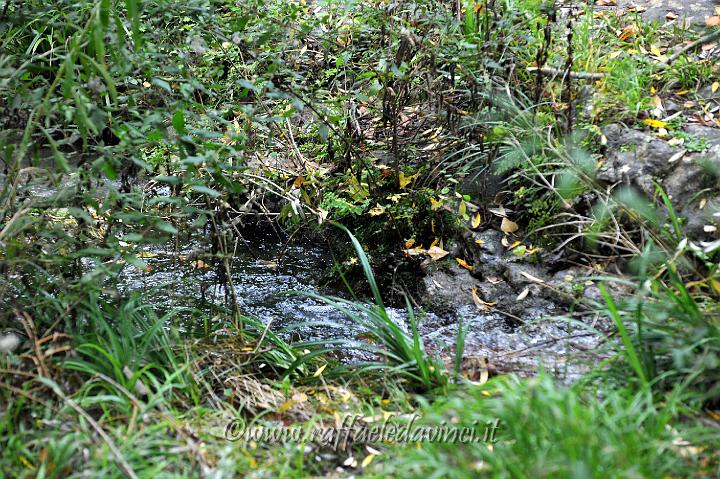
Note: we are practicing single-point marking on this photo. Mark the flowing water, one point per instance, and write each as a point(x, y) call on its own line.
point(267, 268)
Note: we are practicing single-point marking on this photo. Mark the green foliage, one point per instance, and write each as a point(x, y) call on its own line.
point(545, 430)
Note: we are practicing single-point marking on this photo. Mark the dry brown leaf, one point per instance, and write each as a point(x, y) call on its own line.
point(480, 303)
point(606, 3)
point(628, 32)
point(671, 16)
point(713, 21)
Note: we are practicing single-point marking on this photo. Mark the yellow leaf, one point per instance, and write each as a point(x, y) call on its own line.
point(435, 204)
point(436, 253)
point(286, 406)
point(652, 90)
point(479, 242)
point(715, 86)
point(319, 371)
point(656, 101)
point(476, 221)
point(405, 180)
point(508, 226)
point(462, 209)
point(655, 51)
point(366, 462)
point(410, 243)
point(464, 264)
point(654, 123)
point(298, 182)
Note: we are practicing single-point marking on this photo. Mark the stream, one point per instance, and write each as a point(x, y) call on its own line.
point(267, 268)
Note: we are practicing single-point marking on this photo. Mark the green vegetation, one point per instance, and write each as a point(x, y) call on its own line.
point(138, 132)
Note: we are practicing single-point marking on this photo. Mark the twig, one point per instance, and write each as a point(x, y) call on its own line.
point(704, 39)
point(575, 75)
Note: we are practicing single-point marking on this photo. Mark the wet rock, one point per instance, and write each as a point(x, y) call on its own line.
point(635, 157)
point(709, 134)
point(693, 11)
point(446, 290)
point(451, 290)
point(700, 221)
point(706, 93)
point(522, 274)
point(689, 178)
point(485, 249)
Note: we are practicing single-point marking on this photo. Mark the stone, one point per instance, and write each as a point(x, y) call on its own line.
point(635, 157)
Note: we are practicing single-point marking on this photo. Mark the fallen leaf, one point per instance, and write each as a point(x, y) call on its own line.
point(523, 294)
point(531, 277)
point(475, 221)
point(671, 16)
point(368, 459)
point(654, 123)
point(676, 156)
point(479, 302)
point(606, 3)
point(199, 264)
point(713, 21)
point(377, 210)
point(464, 264)
point(298, 181)
point(299, 397)
point(415, 251)
point(286, 406)
point(628, 32)
point(436, 253)
point(508, 226)
point(319, 371)
point(714, 87)
point(493, 280)
point(410, 243)
point(406, 180)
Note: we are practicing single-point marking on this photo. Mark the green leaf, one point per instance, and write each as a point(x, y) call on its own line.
point(205, 190)
point(178, 122)
point(166, 227)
